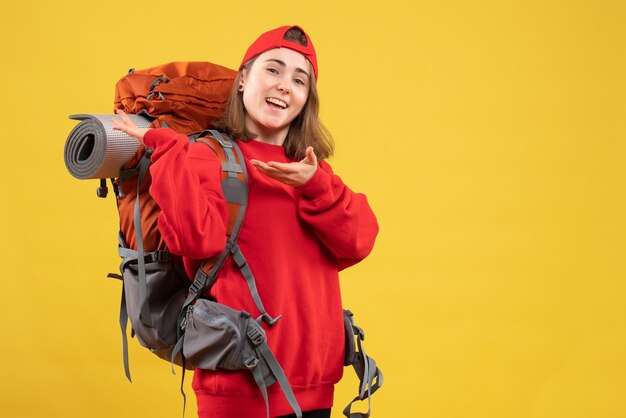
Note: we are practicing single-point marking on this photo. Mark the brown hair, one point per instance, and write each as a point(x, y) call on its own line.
point(304, 131)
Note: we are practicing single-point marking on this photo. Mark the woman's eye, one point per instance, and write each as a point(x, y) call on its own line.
point(272, 70)
point(300, 81)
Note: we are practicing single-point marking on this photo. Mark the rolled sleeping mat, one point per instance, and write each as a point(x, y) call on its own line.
point(93, 150)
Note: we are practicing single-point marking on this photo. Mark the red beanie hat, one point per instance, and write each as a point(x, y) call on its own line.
point(274, 39)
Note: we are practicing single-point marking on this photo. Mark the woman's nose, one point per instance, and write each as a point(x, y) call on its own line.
point(283, 85)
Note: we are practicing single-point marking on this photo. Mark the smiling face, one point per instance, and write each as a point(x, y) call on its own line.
point(275, 89)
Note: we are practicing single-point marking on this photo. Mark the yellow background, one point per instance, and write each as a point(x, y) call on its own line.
point(488, 136)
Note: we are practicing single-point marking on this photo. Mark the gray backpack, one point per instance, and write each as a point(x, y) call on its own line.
point(169, 314)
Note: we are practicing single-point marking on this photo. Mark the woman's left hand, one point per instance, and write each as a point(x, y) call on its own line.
point(294, 174)
point(126, 125)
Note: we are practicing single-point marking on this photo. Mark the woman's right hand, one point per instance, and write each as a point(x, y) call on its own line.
point(127, 126)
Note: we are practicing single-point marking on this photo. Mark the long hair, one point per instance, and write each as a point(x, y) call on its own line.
point(304, 131)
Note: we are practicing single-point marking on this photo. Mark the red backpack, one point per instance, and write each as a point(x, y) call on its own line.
point(166, 309)
point(186, 96)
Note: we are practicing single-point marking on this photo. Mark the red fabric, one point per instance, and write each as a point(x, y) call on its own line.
point(274, 39)
point(295, 240)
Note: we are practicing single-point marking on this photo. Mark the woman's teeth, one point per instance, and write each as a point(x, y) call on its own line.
point(276, 102)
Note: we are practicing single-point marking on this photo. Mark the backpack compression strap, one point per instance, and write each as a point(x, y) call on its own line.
point(367, 371)
point(138, 256)
point(143, 166)
point(259, 370)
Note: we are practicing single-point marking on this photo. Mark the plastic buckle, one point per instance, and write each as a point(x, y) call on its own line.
point(158, 81)
point(268, 319)
point(187, 318)
point(160, 256)
point(231, 247)
point(359, 332)
point(251, 362)
point(155, 93)
point(195, 287)
point(255, 336)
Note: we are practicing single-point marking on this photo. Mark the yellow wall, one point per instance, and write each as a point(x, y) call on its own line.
point(488, 136)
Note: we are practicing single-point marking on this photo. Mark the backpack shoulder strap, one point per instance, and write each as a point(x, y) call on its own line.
point(235, 189)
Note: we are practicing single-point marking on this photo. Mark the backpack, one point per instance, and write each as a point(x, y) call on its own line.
point(186, 96)
point(168, 311)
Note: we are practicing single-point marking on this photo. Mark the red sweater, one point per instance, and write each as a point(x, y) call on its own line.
point(296, 240)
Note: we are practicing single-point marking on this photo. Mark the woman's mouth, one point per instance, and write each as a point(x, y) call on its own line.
point(274, 102)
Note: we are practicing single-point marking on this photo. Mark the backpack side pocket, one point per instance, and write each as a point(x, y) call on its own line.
point(165, 296)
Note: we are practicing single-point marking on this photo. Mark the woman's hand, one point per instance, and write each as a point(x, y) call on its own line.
point(294, 174)
point(128, 127)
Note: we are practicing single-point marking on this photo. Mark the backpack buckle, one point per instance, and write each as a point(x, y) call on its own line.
point(195, 287)
point(268, 319)
point(251, 362)
point(255, 336)
point(160, 256)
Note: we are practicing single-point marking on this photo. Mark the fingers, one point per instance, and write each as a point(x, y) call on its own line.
point(293, 174)
point(125, 124)
point(287, 168)
point(259, 164)
point(278, 172)
point(120, 125)
point(310, 158)
point(275, 167)
point(125, 119)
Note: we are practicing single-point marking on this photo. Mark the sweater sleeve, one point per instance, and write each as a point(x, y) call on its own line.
point(341, 218)
point(186, 183)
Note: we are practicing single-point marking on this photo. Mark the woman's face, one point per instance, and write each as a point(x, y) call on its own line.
point(275, 89)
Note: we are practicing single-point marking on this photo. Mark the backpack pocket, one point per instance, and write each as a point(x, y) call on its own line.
point(165, 295)
point(218, 337)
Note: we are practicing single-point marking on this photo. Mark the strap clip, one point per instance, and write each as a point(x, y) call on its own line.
point(255, 336)
point(251, 362)
point(160, 256)
point(268, 319)
point(195, 287)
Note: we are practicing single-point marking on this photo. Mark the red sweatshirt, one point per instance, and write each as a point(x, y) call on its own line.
point(296, 240)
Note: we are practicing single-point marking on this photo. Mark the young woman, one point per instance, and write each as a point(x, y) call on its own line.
point(302, 226)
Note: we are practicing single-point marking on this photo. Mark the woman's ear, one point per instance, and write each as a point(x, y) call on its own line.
point(242, 79)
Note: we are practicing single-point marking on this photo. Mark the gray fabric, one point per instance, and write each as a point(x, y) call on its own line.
point(218, 337)
point(232, 167)
point(258, 378)
point(235, 191)
point(370, 376)
point(93, 150)
point(166, 295)
point(123, 323)
point(350, 330)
